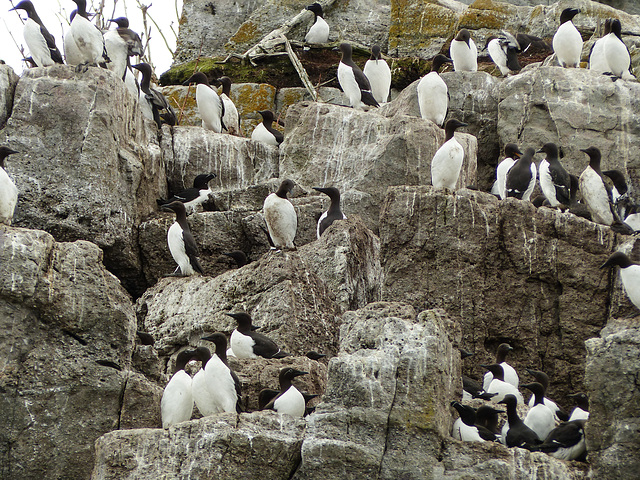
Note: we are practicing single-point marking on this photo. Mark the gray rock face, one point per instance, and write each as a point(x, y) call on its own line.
point(8, 81)
point(576, 109)
point(61, 313)
point(614, 400)
point(518, 275)
point(89, 174)
point(362, 153)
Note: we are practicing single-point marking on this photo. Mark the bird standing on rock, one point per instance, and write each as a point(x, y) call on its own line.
point(222, 382)
point(319, 31)
point(8, 189)
point(510, 374)
point(500, 386)
point(177, 399)
point(616, 52)
point(192, 197)
point(247, 343)
point(539, 418)
point(567, 41)
point(554, 179)
point(463, 52)
point(154, 105)
point(264, 131)
point(182, 245)
point(629, 274)
point(121, 44)
point(333, 213)
point(517, 433)
point(87, 39)
point(353, 81)
point(521, 178)
point(447, 162)
point(230, 119)
point(504, 53)
point(379, 74)
point(511, 154)
point(42, 45)
point(595, 191)
point(597, 60)
point(280, 216)
point(433, 93)
point(464, 427)
point(289, 401)
point(210, 106)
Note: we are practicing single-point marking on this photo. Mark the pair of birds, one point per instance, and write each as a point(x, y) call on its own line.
point(364, 88)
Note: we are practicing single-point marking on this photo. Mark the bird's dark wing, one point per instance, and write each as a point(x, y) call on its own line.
point(368, 99)
point(191, 249)
point(486, 434)
point(56, 56)
point(562, 182)
point(265, 397)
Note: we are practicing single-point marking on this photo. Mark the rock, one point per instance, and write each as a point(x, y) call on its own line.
point(290, 96)
point(576, 109)
point(362, 153)
point(87, 168)
point(226, 446)
point(68, 334)
point(613, 429)
point(140, 403)
point(8, 82)
point(508, 272)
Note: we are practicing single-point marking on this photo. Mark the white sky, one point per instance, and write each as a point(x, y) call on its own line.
point(55, 16)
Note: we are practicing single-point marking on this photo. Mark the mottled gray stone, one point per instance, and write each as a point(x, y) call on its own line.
point(8, 82)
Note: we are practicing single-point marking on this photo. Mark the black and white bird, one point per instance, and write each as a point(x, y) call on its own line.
point(199, 387)
point(597, 59)
point(521, 178)
point(511, 155)
point(177, 399)
point(87, 40)
point(377, 70)
point(629, 275)
point(154, 105)
point(472, 389)
point(221, 381)
point(510, 374)
point(210, 105)
point(247, 343)
point(42, 45)
point(554, 179)
point(267, 394)
point(192, 197)
point(581, 411)
point(230, 119)
point(463, 52)
point(182, 245)
point(353, 81)
point(565, 442)
point(333, 213)
point(567, 41)
point(543, 379)
point(447, 161)
point(264, 131)
point(464, 427)
point(289, 401)
point(121, 44)
point(499, 386)
point(319, 31)
point(539, 418)
point(487, 418)
point(433, 93)
point(517, 434)
point(503, 51)
point(595, 192)
point(8, 189)
point(281, 217)
point(616, 52)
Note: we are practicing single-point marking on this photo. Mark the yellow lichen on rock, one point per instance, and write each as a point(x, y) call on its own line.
point(413, 24)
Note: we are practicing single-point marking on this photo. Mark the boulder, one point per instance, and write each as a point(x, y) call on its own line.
point(8, 82)
point(68, 331)
point(87, 168)
point(611, 380)
point(508, 272)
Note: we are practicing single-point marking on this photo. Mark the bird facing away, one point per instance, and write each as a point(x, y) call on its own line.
point(42, 45)
point(333, 213)
point(554, 179)
point(182, 245)
point(511, 155)
point(379, 74)
point(210, 106)
point(231, 118)
point(521, 178)
point(353, 81)
point(597, 60)
point(154, 105)
point(87, 39)
point(581, 411)
point(567, 41)
point(177, 399)
point(192, 197)
point(319, 31)
point(595, 191)
point(629, 274)
point(433, 93)
point(289, 401)
point(447, 161)
point(280, 216)
point(222, 382)
point(463, 52)
point(264, 131)
point(247, 343)
point(8, 189)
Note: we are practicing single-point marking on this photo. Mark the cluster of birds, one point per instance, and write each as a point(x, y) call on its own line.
point(545, 428)
point(215, 388)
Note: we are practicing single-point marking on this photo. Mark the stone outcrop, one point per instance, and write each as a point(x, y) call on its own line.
point(8, 82)
point(508, 272)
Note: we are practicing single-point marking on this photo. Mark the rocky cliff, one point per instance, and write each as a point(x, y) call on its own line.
point(390, 295)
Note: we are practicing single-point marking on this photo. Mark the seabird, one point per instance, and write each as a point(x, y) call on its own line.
point(521, 178)
point(221, 381)
point(616, 52)
point(554, 179)
point(464, 427)
point(504, 53)
point(289, 400)
point(565, 442)
point(72, 53)
point(154, 105)
point(567, 41)
point(199, 388)
point(247, 343)
point(499, 386)
point(620, 186)
point(531, 44)
point(230, 119)
point(595, 192)
point(597, 59)
point(543, 379)
point(210, 106)
point(42, 45)
point(319, 31)
point(333, 213)
point(177, 399)
point(353, 81)
point(182, 245)
point(8, 189)
point(280, 216)
point(629, 274)
point(472, 389)
point(264, 131)
point(510, 374)
point(487, 418)
point(447, 162)
point(192, 197)
point(379, 74)
point(581, 411)
point(121, 44)
point(239, 257)
point(463, 52)
point(511, 154)
point(87, 38)
point(539, 418)
point(313, 355)
point(267, 394)
point(433, 93)
point(518, 434)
